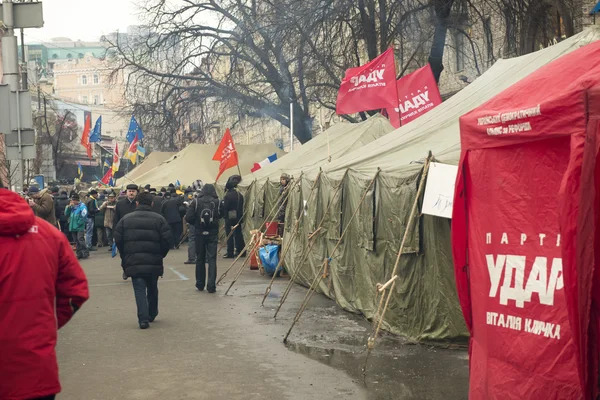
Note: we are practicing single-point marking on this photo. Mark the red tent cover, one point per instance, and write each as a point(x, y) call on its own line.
point(524, 234)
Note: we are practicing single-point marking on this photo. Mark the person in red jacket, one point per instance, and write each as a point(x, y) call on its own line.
point(41, 287)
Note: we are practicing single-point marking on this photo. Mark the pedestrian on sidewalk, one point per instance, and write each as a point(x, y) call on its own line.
point(99, 222)
point(77, 214)
point(109, 215)
point(41, 286)
point(204, 213)
point(127, 204)
point(61, 202)
point(143, 238)
point(92, 209)
point(173, 210)
point(42, 203)
point(233, 204)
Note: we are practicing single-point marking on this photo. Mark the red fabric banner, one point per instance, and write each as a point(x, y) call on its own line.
point(524, 234)
point(226, 154)
point(107, 177)
point(85, 136)
point(369, 87)
point(418, 93)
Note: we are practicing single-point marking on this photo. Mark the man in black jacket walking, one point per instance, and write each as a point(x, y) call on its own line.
point(204, 213)
point(126, 205)
point(233, 206)
point(61, 202)
point(173, 210)
point(143, 238)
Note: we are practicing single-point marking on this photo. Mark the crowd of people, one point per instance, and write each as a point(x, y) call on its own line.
point(93, 219)
point(43, 234)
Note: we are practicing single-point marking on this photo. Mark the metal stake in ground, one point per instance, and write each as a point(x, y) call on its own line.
point(269, 216)
point(325, 264)
point(291, 239)
point(389, 285)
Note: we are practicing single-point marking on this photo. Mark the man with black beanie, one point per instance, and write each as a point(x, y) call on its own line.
point(205, 212)
point(143, 239)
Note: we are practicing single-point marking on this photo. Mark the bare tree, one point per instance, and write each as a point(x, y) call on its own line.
point(258, 57)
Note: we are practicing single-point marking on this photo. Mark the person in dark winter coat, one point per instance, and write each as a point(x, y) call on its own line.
point(41, 286)
point(173, 210)
point(92, 206)
point(233, 207)
point(143, 239)
point(204, 213)
point(60, 203)
point(158, 201)
point(126, 205)
point(99, 222)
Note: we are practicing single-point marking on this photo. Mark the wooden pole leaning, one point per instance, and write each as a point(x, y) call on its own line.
point(291, 239)
point(247, 244)
point(386, 290)
point(326, 261)
point(272, 213)
point(312, 238)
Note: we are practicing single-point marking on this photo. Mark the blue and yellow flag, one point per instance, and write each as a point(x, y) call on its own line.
point(141, 151)
point(79, 170)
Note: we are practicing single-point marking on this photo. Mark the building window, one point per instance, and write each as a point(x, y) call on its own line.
point(69, 56)
point(96, 79)
point(84, 99)
point(80, 55)
point(84, 80)
point(96, 99)
point(459, 43)
point(54, 56)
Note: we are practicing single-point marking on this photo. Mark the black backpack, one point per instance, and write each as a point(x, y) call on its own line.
point(207, 213)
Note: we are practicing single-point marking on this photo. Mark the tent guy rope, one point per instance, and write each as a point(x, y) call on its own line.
point(291, 239)
point(274, 210)
point(391, 283)
point(312, 240)
point(320, 274)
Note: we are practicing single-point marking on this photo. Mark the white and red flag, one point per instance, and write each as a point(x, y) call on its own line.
point(369, 87)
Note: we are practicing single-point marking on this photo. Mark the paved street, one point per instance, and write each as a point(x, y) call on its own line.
point(206, 346)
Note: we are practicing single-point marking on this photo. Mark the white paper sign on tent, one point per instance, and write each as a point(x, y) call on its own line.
point(439, 192)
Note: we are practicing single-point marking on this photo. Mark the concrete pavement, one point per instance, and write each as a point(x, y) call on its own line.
point(208, 346)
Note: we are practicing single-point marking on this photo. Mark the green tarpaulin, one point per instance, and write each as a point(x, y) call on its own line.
point(424, 305)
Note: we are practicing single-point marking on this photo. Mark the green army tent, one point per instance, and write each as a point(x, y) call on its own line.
point(424, 306)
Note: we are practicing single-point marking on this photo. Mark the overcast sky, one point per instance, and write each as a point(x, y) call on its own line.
point(83, 19)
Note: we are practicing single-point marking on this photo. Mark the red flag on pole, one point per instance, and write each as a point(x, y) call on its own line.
point(417, 94)
point(107, 177)
point(369, 87)
point(85, 136)
point(226, 154)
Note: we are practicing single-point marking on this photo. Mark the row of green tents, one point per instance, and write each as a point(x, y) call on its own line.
point(360, 181)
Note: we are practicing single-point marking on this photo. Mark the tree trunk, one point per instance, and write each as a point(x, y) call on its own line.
point(302, 124)
point(442, 10)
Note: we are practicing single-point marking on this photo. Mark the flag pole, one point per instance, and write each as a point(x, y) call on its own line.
point(291, 126)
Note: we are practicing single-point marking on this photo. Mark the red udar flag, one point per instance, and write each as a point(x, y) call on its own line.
point(85, 136)
point(226, 154)
point(369, 87)
point(417, 94)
